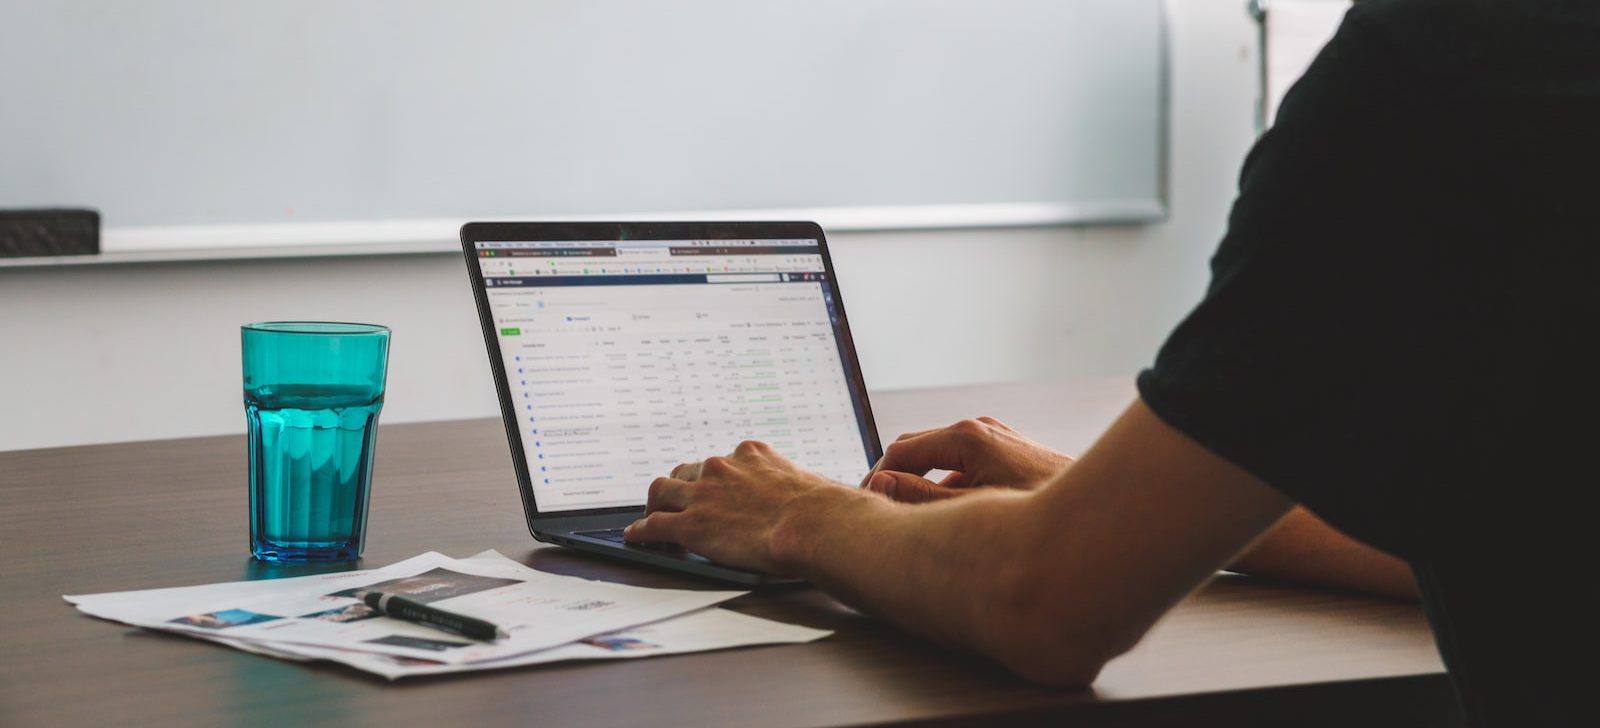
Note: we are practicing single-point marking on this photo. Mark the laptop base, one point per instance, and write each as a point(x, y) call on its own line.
point(672, 558)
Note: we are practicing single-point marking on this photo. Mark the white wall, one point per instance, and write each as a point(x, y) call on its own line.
point(129, 352)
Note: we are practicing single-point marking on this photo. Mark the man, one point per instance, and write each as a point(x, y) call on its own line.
point(1396, 338)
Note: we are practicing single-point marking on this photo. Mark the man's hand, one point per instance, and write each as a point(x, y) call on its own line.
point(748, 510)
point(979, 452)
point(1145, 517)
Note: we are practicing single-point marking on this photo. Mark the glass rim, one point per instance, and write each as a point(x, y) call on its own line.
point(325, 328)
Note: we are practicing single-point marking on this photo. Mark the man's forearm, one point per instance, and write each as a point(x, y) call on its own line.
point(1304, 548)
point(1052, 582)
point(934, 569)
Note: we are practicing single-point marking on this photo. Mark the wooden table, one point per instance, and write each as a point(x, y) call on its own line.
point(167, 513)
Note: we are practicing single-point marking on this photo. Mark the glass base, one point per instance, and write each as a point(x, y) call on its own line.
point(277, 554)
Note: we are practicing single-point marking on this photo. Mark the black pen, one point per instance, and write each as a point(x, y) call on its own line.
point(399, 607)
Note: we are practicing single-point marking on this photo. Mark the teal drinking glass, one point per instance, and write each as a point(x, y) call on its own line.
point(312, 392)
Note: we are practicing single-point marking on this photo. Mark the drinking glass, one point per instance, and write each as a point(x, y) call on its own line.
point(312, 392)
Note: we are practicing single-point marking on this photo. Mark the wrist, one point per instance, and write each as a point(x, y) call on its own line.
point(813, 519)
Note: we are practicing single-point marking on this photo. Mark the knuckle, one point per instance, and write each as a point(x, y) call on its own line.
point(656, 487)
point(970, 427)
point(751, 446)
point(716, 464)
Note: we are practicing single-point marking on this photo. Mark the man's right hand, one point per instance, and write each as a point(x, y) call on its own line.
point(980, 452)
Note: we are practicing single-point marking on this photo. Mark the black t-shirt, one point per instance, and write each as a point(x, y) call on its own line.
point(1402, 331)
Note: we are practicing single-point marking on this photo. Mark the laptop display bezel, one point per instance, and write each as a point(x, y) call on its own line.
point(476, 232)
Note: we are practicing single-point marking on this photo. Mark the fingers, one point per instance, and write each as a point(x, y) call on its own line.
point(918, 433)
point(720, 465)
point(659, 527)
point(985, 420)
point(947, 448)
point(667, 494)
point(752, 447)
point(908, 488)
point(687, 471)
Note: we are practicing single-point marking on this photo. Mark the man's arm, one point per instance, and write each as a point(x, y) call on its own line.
point(1053, 583)
point(1305, 548)
point(985, 453)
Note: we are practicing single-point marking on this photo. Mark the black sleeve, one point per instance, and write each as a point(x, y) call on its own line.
point(1295, 364)
point(1400, 327)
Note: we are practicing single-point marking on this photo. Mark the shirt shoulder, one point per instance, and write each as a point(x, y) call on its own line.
point(1495, 44)
point(1402, 270)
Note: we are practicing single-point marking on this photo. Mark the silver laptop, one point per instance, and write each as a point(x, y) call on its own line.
point(623, 349)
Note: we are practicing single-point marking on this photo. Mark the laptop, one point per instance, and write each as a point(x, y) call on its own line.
point(621, 350)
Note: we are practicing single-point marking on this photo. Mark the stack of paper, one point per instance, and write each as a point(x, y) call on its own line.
point(549, 617)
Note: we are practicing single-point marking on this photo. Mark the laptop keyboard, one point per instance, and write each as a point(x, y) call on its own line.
point(614, 535)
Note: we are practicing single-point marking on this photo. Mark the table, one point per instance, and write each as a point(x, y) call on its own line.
point(167, 513)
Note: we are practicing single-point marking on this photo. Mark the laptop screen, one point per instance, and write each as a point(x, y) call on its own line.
point(626, 358)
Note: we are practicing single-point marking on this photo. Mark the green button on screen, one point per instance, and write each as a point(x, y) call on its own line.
point(511, 332)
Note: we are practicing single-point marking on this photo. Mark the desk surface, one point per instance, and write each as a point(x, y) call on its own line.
point(167, 513)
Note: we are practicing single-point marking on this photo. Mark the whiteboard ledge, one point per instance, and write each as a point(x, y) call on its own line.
point(440, 235)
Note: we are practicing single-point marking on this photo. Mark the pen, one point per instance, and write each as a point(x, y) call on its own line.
point(399, 607)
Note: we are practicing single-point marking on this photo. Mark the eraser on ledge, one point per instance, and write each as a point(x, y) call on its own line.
point(49, 231)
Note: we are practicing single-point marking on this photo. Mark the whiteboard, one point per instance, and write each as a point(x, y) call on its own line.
point(197, 112)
